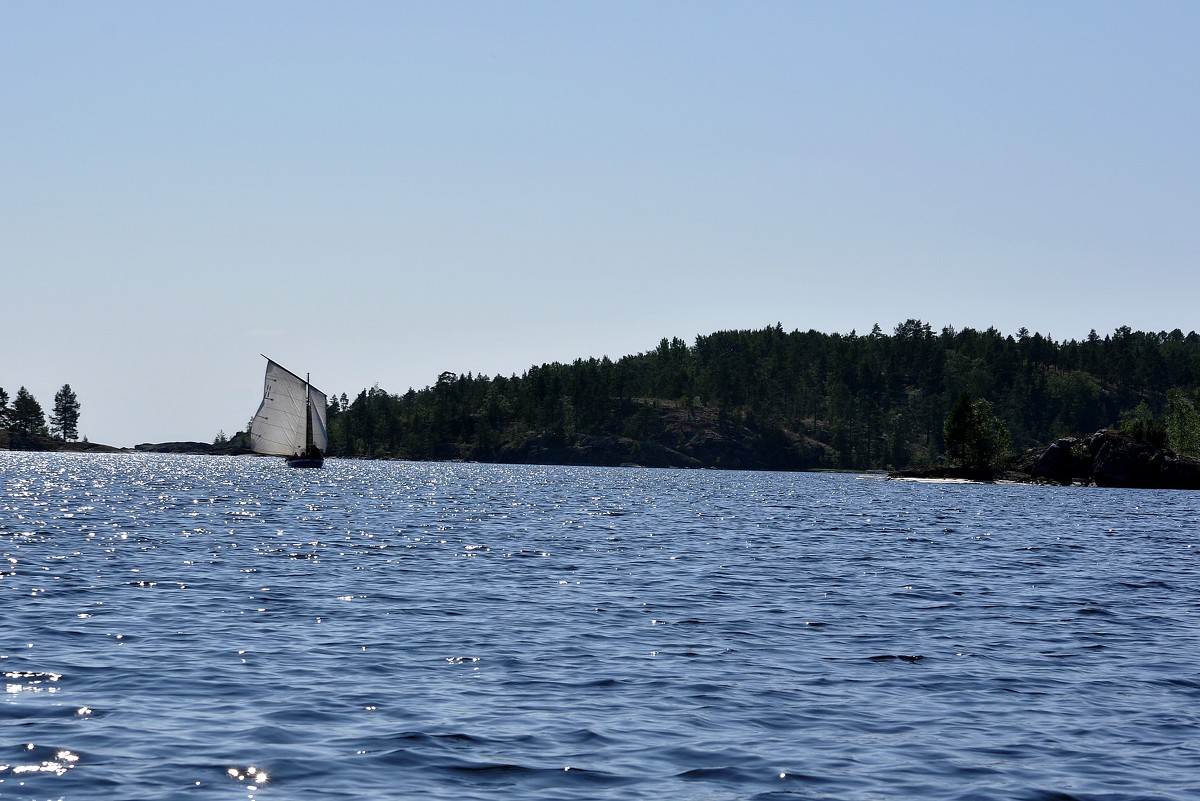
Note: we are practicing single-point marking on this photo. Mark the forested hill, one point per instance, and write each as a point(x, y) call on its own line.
point(774, 399)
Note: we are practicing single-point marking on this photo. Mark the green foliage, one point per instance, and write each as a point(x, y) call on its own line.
point(989, 444)
point(974, 435)
point(64, 422)
point(27, 416)
point(4, 410)
point(802, 398)
point(1077, 396)
point(239, 440)
point(1141, 425)
point(957, 427)
point(1182, 423)
point(220, 440)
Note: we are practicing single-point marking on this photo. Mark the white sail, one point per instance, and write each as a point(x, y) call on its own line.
point(320, 434)
point(279, 424)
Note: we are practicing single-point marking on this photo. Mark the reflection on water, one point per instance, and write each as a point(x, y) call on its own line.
point(41, 760)
point(180, 626)
point(251, 776)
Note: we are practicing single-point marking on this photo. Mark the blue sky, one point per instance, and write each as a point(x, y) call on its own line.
point(376, 192)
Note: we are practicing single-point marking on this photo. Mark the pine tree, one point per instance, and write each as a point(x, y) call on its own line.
point(64, 423)
point(27, 416)
point(4, 410)
point(957, 428)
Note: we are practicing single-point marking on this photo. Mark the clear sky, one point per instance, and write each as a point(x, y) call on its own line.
point(376, 192)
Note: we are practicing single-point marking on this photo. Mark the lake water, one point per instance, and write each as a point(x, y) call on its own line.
point(227, 628)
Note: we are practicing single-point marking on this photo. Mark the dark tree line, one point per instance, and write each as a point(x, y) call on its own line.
point(799, 399)
point(26, 416)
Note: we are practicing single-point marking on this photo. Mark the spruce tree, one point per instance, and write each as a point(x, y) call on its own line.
point(27, 416)
point(64, 423)
point(956, 429)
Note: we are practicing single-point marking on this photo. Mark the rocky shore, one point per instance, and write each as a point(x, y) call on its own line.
point(202, 448)
point(17, 441)
point(1106, 458)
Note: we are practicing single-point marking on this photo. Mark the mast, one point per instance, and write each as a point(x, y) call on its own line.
point(308, 432)
point(291, 420)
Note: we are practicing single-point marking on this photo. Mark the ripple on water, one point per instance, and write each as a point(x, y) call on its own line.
point(180, 626)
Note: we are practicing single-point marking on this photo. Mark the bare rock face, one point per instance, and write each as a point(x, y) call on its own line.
point(1180, 472)
point(1118, 460)
point(1104, 459)
point(174, 447)
point(17, 441)
point(203, 448)
point(1058, 463)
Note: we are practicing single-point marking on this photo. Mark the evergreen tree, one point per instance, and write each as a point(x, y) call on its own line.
point(974, 436)
point(27, 416)
point(956, 429)
point(988, 444)
point(4, 410)
point(64, 423)
point(845, 400)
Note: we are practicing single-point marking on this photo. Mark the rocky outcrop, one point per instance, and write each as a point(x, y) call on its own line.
point(1104, 459)
point(17, 441)
point(1120, 461)
point(1110, 458)
point(583, 449)
point(1061, 463)
point(203, 448)
point(658, 433)
point(174, 447)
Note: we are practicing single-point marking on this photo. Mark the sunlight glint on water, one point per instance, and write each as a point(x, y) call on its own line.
point(199, 627)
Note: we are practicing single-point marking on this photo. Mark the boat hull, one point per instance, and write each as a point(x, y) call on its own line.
point(305, 461)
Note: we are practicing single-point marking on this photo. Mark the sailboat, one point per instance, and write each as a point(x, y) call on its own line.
point(290, 422)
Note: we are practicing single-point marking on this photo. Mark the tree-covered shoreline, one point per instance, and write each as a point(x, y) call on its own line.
point(765, 399)
point(770, 399)
point(25, 422)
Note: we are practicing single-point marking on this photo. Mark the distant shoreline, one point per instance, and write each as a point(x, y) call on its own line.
point(16, 441)
point(1104, 459)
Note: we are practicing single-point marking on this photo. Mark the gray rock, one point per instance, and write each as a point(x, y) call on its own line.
point(1120, 461)
point(1058, 462)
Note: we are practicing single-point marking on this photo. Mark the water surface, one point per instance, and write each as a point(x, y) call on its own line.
point(216, 628)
